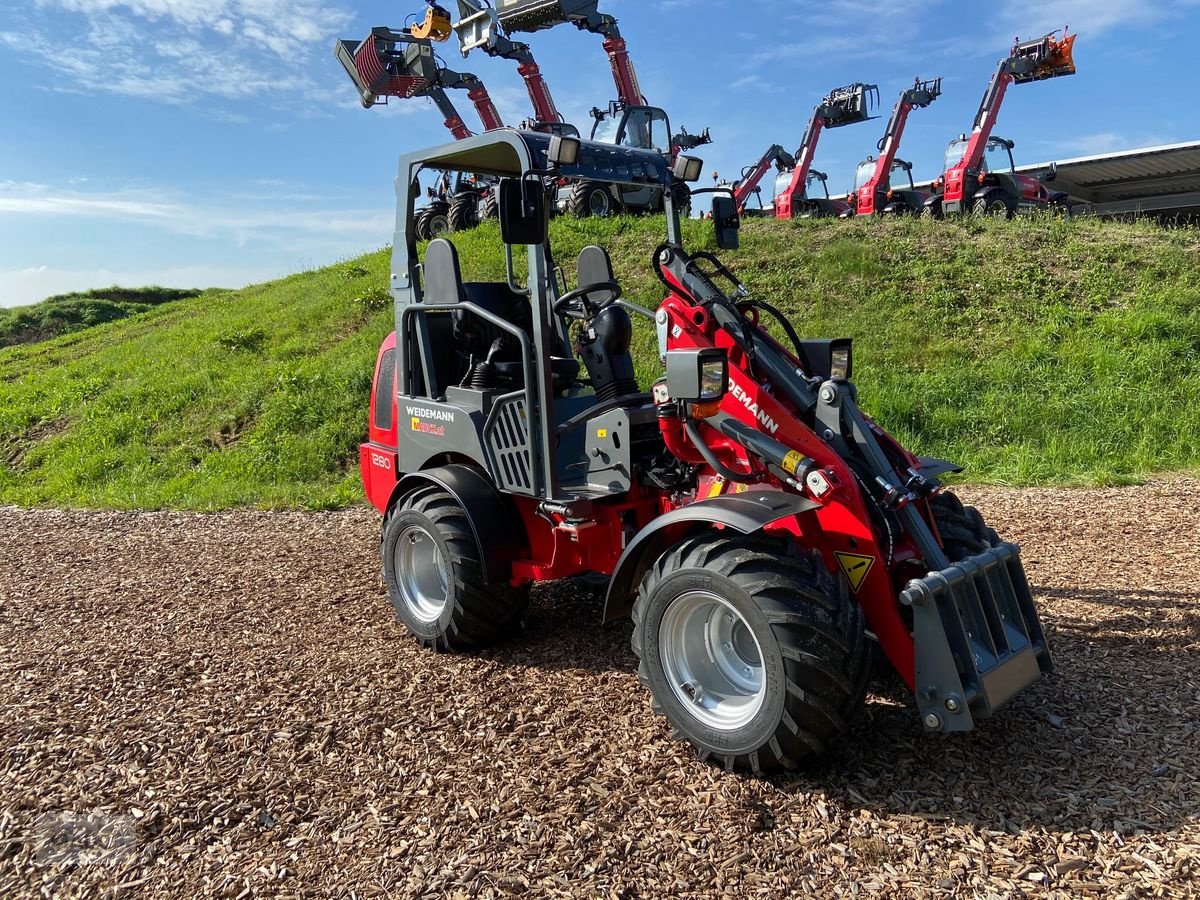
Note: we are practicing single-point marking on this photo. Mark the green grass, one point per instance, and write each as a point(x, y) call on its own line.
point(1033, 352)
point(70, 313)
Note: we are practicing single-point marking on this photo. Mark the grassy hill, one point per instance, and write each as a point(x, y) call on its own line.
point(69, 313)
point(1033, 351)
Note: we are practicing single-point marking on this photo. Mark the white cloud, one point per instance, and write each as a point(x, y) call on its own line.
point(175, 51)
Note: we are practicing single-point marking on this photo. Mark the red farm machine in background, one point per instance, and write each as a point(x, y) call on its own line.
point(874, 192)
point(844, 106)
point(628, 121)
point(748, 187)
point(979, 176)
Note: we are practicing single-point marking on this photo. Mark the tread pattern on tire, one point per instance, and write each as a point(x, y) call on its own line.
point(464, 213)
point(819, 627)
point(482, 616)
point(964, 533)
point(580, 205)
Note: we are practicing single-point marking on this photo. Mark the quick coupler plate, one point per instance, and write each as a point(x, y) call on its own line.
point(977, 637)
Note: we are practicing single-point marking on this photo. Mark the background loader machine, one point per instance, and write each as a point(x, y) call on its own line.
point(748, 186)
point(844, 106)
point(402, 64)
point(873, 190)
point(627, 122)
point(759, 528)
point(979, 176)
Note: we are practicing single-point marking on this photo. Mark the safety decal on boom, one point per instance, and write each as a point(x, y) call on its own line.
point(856, 566)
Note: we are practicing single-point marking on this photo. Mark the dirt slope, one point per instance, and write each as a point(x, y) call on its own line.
point(232, 696)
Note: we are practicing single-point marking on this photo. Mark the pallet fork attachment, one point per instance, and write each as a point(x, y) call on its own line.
point(849, 105)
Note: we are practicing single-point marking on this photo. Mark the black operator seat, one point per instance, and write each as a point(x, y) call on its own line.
point(474, 338)
point(605, 346)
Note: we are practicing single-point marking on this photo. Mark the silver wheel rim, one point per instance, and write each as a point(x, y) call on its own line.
point(599, 203)
point(712, 660)
point(421, 574)
point(439, 225)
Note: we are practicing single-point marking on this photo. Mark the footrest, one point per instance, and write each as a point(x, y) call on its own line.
point(977, 636)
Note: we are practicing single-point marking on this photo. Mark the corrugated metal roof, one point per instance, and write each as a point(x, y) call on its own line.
point(1152, 179)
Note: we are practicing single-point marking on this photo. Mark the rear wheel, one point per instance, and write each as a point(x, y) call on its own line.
point(589, 198)
point(930, 212)
point(993, 207)
point(422, 225)
point(754, 652)
point(435, 576)
point(464, 212)
point(490, 208)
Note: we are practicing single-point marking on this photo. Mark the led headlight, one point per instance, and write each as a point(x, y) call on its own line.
point(688, 168)
point(841, 360)
point(563, 150)
point(699, 377)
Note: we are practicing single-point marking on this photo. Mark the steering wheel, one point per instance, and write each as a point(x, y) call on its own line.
point(577, 305)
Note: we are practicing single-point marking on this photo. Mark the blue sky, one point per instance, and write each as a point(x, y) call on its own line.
point(217, 142)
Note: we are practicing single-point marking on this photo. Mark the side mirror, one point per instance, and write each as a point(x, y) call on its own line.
point(726, 222)
point(1052, 173)
point(522, 208)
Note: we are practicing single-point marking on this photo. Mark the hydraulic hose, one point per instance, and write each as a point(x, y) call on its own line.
point(719, 467)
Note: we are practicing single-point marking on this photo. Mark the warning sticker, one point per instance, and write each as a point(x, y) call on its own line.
point(792, 461)
point(856, 566)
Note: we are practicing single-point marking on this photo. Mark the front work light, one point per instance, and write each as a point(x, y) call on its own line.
point(699, 377)
point(841, 360)
point(687, 168)
point(563, 151)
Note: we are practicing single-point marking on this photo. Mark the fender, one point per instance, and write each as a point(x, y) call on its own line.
point(934, 202)
point(495, 524)
point(744, 513)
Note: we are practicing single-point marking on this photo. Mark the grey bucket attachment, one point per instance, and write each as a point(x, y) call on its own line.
point(849, 105)
point(977, 636)
point(534, 15)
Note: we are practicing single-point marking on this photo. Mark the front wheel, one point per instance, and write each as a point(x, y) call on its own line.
point(993, 207)
point(435, 576)
point(590, 198)
point(754, 652)
point(464, 212)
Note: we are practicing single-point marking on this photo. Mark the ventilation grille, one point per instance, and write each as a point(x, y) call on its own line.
point(507, 439)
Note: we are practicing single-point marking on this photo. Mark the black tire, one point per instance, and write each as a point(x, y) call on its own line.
point(590, 198)
point(930, 212)
point(964, 533)
point(471, 614)
point(491, 205)
point(807, 631)
point(422, 225)
point(464, 213)
point(439, 220)
point(993, 207)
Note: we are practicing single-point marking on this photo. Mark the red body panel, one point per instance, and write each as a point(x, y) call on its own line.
point(787, 205)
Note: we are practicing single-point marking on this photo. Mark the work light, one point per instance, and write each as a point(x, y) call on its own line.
point(688, 168)
point(563, 151)
point(841, 360)
point(699, 377)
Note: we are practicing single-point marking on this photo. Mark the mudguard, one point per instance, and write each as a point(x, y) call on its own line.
point(744, 513)
point(495, 524)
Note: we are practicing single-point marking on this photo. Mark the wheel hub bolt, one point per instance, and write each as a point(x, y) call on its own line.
point(727, 647)
point(746, 671)
point(933, 721)
point(953, 705)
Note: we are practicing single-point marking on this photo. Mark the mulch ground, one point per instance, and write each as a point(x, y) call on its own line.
point(223, 705)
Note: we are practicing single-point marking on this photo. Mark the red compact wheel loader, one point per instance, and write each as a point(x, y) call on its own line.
point(844, 106)
point(760, 529)
point(873, 192)
point(979, 175)
point(628, 121)
point(402, 64)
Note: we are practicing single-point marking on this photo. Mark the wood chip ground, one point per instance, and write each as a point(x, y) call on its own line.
point(224, 706)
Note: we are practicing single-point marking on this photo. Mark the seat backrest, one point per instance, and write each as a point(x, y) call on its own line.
point(443, 276)
point(595, 266)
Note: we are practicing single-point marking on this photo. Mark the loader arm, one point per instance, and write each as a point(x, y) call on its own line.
point(920, 95)
point(751, 178)
point(479, 28)
point(537, 15)
point(477, 93)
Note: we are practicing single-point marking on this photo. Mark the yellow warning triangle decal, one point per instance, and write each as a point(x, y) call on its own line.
point(856, 566)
